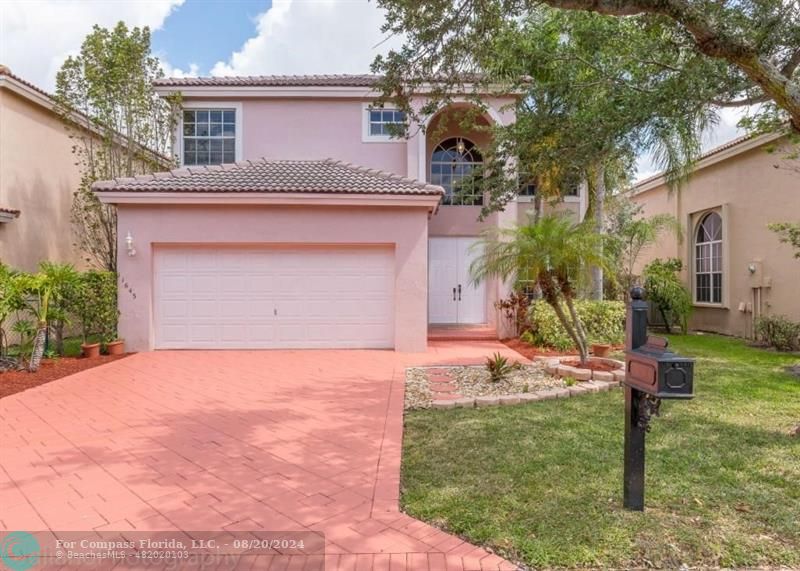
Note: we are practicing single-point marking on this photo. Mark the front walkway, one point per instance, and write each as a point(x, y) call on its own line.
point(231, 440)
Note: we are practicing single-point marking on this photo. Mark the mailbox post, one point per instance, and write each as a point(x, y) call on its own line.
point(652, 373)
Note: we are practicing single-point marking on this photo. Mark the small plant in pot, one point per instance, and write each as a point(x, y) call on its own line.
point(601, 349)
point(115, 345)
point(86, 305)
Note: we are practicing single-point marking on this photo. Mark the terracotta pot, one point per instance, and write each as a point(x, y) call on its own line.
point(116, 347)
point(601, 350)
point(90, 350)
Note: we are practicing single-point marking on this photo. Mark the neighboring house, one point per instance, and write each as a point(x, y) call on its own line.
point(734, 266)
point(37, 177)
point(331, 233)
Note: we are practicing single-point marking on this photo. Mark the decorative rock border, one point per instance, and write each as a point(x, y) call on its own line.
point(592, 386)
point(553, 366)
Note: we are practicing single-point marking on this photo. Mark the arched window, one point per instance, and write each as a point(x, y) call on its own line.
point(452, 162)
point(708, 259)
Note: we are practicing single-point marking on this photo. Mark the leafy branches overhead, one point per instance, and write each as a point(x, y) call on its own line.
point(750, 50)
point(789, 233)
point(119, 125)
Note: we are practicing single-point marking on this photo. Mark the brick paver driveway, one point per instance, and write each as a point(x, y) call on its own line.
point(230, 440)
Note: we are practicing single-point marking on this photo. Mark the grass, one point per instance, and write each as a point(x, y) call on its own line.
point(542, 483)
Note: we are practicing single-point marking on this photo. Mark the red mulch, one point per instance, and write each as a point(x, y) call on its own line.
point(591, 364)
point(52, 369)
point(529, 351)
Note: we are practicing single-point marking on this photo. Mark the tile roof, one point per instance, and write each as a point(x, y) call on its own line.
point(365, 80)
point(314, 176)
point(10, 211)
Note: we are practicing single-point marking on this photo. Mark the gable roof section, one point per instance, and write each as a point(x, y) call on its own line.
point(273, 176)
point(8, 214)
point(718, 154)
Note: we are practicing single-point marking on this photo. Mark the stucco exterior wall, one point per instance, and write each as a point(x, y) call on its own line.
point(37, 176)
point(404, 229)
point(749, 192)
point(309, 129)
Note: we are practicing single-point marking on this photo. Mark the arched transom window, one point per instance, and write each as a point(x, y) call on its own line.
point(452, 164)
point(708, 259)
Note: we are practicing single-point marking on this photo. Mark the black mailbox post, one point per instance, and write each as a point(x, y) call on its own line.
point(652, 373)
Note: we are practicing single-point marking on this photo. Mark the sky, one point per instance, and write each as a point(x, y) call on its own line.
point(221, 37)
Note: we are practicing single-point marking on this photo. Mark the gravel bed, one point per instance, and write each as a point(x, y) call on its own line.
point(418, 392)
point(475, 382)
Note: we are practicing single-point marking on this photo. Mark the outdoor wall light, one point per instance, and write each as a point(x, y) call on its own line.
point(129, 244)
point(751, 268)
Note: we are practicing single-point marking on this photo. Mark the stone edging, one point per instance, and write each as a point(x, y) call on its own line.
point(518, 398)
point(553, 366)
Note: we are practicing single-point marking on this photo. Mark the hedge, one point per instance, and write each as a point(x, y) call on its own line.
point(604, 322)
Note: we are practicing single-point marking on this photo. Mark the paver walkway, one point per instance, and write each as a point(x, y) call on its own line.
point(231, 440)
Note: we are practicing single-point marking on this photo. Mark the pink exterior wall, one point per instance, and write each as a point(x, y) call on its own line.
point(37, 176)
point(309, 129)
point(405, 229)
point(749, 193)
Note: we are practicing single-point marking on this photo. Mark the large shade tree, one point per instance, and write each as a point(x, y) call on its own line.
point(751, 47)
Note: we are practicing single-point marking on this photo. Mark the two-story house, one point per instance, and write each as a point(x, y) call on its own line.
point(319, 229)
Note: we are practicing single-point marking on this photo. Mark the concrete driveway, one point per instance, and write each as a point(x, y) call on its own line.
point(231, 440)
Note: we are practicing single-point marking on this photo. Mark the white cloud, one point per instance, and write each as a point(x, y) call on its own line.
point(169, 71)
point(311, 36)
point(36, 36)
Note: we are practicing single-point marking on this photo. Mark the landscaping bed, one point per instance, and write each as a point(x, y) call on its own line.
point(475, 381)
point(12, 382)
point(542, 484)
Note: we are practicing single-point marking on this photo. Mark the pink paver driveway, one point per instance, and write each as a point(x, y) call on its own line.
point(231, 440)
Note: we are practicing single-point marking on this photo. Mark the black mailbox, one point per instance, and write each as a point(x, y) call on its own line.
point(655, 370)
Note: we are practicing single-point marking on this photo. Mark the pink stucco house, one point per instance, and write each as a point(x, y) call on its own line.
point(319, 229)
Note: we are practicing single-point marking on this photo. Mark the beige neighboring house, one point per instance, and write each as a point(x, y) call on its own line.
point(37, 177)
point(734, 266)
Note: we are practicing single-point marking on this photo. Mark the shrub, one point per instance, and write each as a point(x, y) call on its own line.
point(604, 322)
point(498, 367)
point(779, 332)
point(94, 304)
point(665, 289)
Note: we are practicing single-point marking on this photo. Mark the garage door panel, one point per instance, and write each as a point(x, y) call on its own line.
point(282, 298)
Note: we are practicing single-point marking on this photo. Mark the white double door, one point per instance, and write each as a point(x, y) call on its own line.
point(452, 295)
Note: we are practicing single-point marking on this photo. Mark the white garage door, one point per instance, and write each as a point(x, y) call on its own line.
point(234, 298)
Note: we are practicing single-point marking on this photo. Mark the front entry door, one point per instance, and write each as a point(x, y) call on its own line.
point(452, 297)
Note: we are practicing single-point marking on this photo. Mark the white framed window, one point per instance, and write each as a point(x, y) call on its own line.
point(210, 133)
point(379, 124)
point(708, 260)
point(452, 163)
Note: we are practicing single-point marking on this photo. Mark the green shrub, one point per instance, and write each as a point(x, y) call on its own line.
point(94, 304)
point(666, 291)
point(779, 332)
point(604, 322)
point(499, 367)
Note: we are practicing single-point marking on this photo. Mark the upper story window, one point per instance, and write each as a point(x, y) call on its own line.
point(452, 164)
point(382, 124)
point(209, 136)
point(708, 260)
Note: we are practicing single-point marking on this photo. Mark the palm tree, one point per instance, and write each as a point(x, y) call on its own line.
point(555, 253)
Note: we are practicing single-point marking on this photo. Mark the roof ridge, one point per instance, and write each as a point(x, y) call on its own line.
point(387, 175)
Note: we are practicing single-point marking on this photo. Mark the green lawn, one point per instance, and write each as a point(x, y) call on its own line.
point(542, 483)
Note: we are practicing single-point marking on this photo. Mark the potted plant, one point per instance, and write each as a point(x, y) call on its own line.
point(108, 314)
point(601, 349)
point(115, 346)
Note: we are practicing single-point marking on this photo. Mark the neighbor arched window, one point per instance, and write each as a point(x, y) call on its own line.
point(708, 259)
point(452, 164)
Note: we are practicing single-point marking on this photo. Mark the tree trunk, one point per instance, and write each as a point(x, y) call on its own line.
point(583, 345)
point(58, 331)
point(551, 296)
point(664, 317)
point(598, 215)
point(537, 206)
point(38, 348)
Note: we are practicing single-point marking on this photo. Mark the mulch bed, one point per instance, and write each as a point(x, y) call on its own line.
point(529, 351)
point(12, 382)
point(590, 364)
